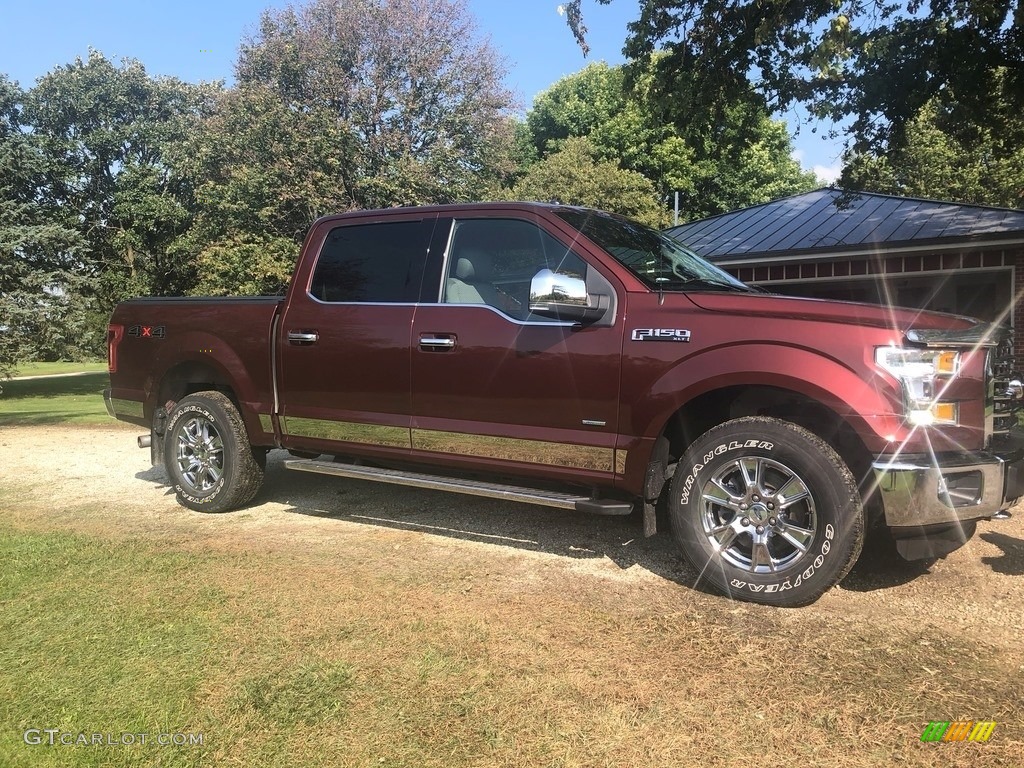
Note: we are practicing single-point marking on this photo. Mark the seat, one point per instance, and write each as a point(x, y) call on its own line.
point(470, 281)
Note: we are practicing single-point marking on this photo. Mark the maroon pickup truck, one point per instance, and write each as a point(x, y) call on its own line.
point(571, 358)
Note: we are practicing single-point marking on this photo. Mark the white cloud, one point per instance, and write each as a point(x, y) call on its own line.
point(827, 174)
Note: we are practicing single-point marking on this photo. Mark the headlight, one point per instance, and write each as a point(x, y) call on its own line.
point(924, 374)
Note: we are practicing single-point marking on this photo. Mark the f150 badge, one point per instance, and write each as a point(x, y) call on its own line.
point(660, 334)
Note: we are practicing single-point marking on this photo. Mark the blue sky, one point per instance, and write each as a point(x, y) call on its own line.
point(196, 40)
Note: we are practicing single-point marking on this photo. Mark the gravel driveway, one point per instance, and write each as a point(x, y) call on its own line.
point(95, 478)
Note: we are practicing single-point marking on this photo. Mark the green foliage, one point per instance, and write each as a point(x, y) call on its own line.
point(114, 183)
point(41, 312)
point(874, 63)
point(262, 173)
point(246, 265)
point(409, 80)
point(106, 131)
point(575, 175)
point(942, 158)
point(743, 159)
point(89, 207)
point(594, 103)
point(357, 104)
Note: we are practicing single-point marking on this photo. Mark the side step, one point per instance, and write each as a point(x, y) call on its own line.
point(458, 485)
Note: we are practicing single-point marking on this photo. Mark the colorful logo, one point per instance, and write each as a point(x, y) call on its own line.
point(958, 730)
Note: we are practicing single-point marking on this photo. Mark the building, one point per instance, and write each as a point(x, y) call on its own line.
point(966, 259)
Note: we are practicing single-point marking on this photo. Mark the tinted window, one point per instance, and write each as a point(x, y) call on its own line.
point(371, 263)
point(492, 261)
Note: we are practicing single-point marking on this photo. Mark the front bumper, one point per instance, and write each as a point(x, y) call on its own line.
point(921, 491)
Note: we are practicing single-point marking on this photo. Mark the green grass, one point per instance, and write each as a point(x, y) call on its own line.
point(58, 400)
point(50, 369)
point(125, 638)
point(363, 656)
point(99, 638)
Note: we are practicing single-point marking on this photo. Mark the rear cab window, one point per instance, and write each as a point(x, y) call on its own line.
point(375, 262)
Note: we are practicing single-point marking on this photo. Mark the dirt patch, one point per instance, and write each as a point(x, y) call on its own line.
point(583, 601)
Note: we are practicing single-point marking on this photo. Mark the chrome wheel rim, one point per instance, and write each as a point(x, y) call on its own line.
point(200, 454)
point(758, 515)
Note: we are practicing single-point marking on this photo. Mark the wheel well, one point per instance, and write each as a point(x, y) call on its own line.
point(189, 378)
point(712, 408)
point(179, 382)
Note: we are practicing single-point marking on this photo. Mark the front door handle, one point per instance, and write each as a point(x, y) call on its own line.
point(437, 343)
point(303, 337)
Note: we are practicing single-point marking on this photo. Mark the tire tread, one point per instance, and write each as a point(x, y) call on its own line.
point(247, 474)
point(852, 519)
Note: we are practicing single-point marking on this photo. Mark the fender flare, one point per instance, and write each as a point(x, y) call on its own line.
point(865, 400)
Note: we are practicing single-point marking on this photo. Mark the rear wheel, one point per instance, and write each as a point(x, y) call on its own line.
point(766, 511)
point(207, 454)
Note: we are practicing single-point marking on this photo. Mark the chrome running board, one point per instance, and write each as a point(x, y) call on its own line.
point(459, 485)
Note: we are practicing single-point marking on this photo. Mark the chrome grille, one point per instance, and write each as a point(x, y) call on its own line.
point(1003, 399)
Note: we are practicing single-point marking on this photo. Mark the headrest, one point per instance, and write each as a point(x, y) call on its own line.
point(473, 265)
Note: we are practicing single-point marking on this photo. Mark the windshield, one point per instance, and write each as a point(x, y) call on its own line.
point(658, 260)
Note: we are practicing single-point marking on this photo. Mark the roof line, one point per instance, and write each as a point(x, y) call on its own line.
point(921, 200)
point(904, 247)
point(751, 207)
point(839, 192)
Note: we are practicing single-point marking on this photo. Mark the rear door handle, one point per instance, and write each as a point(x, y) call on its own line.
point(303, 337)
point(438, 343)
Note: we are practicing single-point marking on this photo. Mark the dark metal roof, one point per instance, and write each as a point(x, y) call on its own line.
point(835, 221)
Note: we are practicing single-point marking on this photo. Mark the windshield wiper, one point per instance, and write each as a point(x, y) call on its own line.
point(698, 283)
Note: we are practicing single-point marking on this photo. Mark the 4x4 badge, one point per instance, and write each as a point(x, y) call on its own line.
point(660, 334)
point(148, 331)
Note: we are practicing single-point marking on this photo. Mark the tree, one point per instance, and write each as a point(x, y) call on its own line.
point(575, 175)
point(91, 207)
point(410, 80)
point(262, 173)
point(39, 316)
point(595, 104)
point(743, 159)
point(942, 158)
point(873, 62)
point(107, 131)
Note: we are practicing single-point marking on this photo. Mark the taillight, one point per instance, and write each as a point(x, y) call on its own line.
point(114, 335)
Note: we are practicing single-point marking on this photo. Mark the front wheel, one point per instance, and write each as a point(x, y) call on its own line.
point(207, 454)
point(766, 511)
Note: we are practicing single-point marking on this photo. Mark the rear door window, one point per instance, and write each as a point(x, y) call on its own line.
point(372, 263)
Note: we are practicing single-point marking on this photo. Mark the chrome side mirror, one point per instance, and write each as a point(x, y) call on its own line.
point(565, 297)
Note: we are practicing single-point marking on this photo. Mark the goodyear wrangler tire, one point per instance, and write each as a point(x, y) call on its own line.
point(766, 511)
point(207, 454)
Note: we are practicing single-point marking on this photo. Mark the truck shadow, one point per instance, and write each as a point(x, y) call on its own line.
point(1011, 561)
point(469, 518)
point(880, 566)
point(557, 532)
